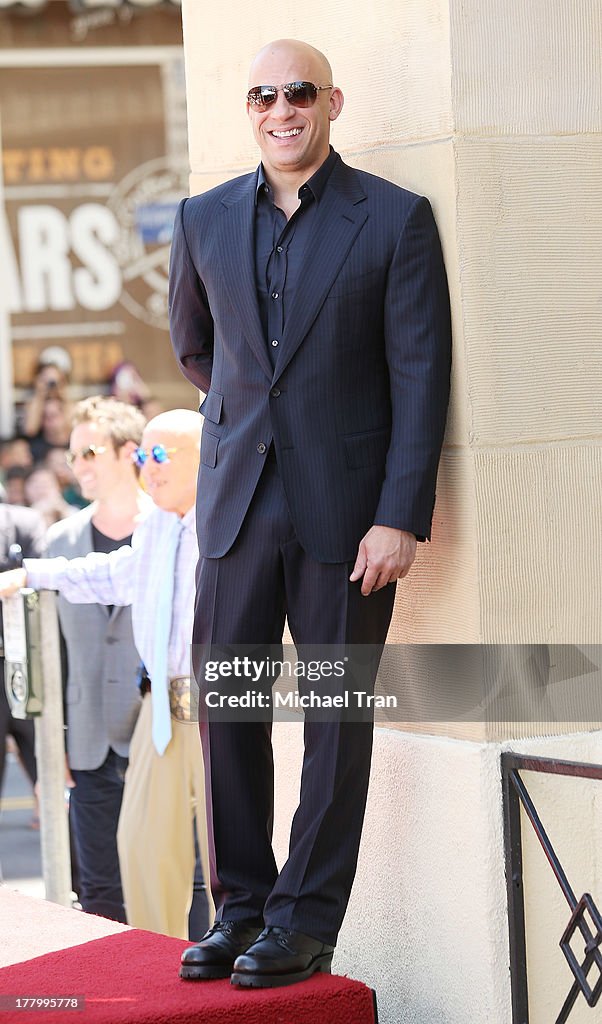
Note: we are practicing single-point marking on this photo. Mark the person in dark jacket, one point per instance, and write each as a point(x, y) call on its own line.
point(22, 535)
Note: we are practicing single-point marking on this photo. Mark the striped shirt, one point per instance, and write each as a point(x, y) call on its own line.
point(130, 575)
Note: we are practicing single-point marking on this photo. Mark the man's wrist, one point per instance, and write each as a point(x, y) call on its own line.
point(400, 529)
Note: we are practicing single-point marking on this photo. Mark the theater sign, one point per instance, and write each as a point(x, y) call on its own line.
point(94, 163)
point(89, 249)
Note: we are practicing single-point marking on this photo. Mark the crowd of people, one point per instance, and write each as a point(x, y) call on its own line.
point(35, 468)
point(37, 489)
point(72, 484)
point(124, 832)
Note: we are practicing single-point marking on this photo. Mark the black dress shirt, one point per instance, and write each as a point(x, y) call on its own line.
point(279, 249)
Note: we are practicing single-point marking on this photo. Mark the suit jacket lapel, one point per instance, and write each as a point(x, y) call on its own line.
point(341, 216)
point(237, 249)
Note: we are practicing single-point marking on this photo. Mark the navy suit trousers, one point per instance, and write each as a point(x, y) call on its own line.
point(242, 599)
point(95, 806)
point(22, 731)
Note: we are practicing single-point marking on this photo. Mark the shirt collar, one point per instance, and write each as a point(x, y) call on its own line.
point(189, 519)
point(316, 184)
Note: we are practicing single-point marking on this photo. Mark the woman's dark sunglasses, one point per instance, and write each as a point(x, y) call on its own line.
point(298, 94)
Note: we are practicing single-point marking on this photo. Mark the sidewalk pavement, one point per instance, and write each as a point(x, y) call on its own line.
point(20, 853)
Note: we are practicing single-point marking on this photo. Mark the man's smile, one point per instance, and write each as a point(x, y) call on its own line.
point(288, 133)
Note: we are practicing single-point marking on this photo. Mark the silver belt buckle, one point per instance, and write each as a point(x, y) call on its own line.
point(179, 698)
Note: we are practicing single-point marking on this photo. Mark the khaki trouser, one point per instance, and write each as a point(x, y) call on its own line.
point(155, 837)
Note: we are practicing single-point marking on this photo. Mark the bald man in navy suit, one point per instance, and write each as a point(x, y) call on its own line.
point(309, 301)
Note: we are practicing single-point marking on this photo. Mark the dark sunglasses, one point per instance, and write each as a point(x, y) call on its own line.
point(88, 453)
point(298, 94)
point(158, 453)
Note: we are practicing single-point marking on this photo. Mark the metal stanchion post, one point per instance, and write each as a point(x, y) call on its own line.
point(50, 754)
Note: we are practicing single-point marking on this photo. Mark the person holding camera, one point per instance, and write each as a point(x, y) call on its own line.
point(47, 413)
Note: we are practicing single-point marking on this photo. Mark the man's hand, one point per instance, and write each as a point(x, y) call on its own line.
point(69, 780)
point(384, 555)
point(12, 581)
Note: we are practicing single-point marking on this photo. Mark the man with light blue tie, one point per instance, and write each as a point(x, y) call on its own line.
point(156, 576)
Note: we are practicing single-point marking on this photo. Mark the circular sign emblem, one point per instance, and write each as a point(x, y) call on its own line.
point(18, 686)
point(144, 204)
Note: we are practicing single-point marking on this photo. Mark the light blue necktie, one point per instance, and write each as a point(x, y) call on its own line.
point(163, 599)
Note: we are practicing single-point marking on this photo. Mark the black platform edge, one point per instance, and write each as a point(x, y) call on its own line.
point(375, 1005)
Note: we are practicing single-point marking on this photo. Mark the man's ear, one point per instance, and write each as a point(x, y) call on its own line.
point(336, 103)
point(127, 450)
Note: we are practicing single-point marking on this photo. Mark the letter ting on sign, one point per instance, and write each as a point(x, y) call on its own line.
point(56, 163)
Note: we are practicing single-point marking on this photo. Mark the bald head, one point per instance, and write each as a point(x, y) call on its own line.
point(292, 127)
point(177, 421)
point(298, 53)
point(171, 482)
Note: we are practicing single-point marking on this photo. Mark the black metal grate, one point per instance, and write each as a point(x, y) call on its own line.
point(585, 916)
point(593, 955)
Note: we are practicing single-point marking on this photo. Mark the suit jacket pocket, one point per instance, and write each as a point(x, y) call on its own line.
point(211, 408)
point(209, 443)
point(367, 449)
point(349, 284)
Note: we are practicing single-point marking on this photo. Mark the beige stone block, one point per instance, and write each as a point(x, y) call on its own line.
point(438, 602)
point(391, 61)
point(540, 557)
point(529, 229)
point(528, 67)
point(497, 692)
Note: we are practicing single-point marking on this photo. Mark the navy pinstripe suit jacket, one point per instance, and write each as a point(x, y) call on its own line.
point(357, 401)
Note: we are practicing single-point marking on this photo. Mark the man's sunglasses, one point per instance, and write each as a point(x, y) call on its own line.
point(298, 94)
point(158, 453)
point(88, 453)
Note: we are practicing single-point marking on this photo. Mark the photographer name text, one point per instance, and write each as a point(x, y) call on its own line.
point(294, 701)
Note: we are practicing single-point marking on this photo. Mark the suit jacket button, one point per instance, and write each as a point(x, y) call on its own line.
point(261, 448)
point(275, 392)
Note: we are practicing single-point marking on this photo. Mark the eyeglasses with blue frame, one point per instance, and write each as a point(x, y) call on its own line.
point(158, 453)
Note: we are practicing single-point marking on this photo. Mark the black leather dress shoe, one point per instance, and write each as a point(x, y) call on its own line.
point(280, 957)
point(214, 955)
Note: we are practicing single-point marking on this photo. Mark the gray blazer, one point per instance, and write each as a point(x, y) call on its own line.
point(102, 699)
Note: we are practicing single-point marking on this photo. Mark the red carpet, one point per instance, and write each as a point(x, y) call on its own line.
point(133, 976)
